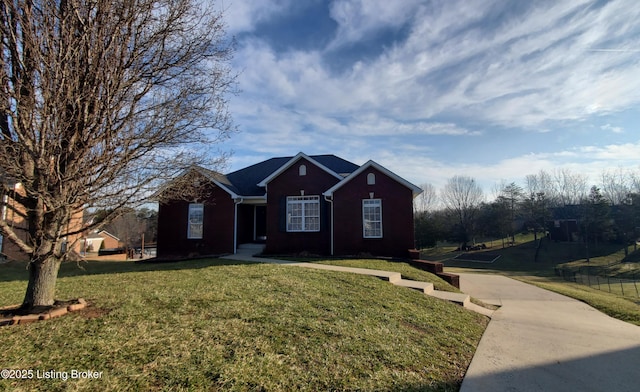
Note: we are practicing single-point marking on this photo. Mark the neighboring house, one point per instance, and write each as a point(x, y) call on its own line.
point(564, 224)
point(109, 241)
point(13, 213)
point(565, 230)
point(100, 240)
point(318, 204)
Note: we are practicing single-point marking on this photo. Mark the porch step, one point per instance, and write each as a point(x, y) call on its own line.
point(250, 249)
point(251, 246)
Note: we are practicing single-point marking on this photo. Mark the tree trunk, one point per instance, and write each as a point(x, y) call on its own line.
point(539, 244)
point(42, 282)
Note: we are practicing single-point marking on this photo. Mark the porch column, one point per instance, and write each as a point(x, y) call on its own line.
point(236, 201)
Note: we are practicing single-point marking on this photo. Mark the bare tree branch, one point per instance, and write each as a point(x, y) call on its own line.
point(616, 185)
point(103, 100)
point(427, 199)
point(462, 196)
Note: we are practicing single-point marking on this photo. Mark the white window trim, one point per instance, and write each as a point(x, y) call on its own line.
point(371, 203)
point(190, 234)
point(371, 179)
point(303, 201)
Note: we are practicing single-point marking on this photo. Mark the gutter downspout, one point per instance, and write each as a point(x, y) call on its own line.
point(329, 199)
point(236, 201)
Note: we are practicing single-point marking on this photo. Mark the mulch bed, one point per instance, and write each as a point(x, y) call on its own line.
point(15, 314)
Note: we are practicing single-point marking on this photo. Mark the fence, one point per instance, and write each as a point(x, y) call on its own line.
point(625, 287)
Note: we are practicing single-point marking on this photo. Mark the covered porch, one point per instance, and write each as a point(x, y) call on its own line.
point(251, 222)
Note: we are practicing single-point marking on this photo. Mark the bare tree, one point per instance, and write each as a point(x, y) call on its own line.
point(571, 187)
point(462, 197)
point(634, 179)
point(615, 186)
point(101, 100)
point(542, 183)
point(128, 228)
point(427, 199)
point(511, 195)
point(496, 189)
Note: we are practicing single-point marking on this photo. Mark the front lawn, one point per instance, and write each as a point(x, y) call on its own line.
point(201, 325)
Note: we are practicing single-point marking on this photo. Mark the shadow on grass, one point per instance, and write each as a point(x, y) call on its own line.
point(17, 271)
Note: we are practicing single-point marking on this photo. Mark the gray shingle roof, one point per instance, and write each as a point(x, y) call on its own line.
point(244, 181)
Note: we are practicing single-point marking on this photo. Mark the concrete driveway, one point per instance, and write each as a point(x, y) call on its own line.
point(542, 341)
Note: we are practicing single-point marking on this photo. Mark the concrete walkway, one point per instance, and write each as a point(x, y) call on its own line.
point(543, 341)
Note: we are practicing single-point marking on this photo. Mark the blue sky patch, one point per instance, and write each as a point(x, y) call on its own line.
point(431, 89)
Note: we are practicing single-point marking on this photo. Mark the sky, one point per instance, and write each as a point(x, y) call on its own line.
point(493, 90)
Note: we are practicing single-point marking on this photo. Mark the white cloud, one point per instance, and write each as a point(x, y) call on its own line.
point(534, 68)
point(590, 161)
point(612, 129)
point(358, 19)
point(462, 63)
point(617, 154)
point(242, 16)
point(525, 72)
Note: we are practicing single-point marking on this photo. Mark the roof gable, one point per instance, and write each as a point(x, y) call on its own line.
point(250, 181)
point(220, 180)
point(101, 234)
point(414, 189)
point(214, 177)
point(336, 162)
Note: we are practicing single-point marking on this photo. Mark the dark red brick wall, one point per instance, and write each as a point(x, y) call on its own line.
point(290, 183)
point(217, 228)
point(397, 217)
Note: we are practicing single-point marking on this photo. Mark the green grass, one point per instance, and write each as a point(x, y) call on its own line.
point(204, 325)
point(518, 262)
point(609, 265)
point(626, 289)
point(611, 304)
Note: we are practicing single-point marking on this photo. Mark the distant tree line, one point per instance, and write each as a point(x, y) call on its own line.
point(460, 213)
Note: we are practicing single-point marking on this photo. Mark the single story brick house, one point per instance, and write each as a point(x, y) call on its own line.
point(320, 204)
